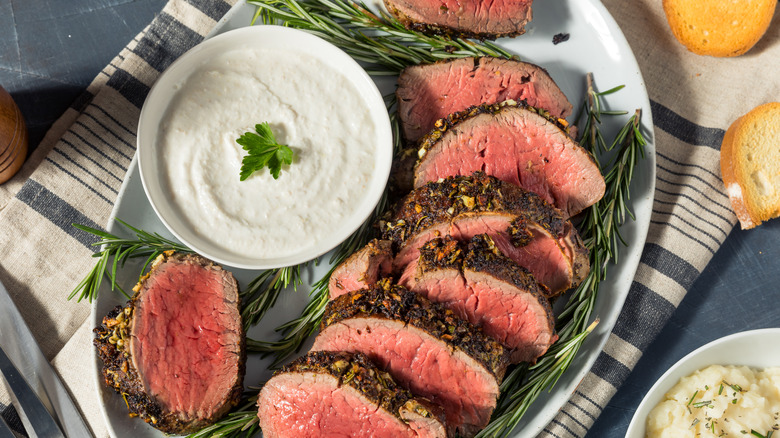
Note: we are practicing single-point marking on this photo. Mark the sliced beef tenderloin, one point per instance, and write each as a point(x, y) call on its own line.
point(176, 350)
point(489, 290)
point(342, 394)
point(426, 348)
point(429, 92)
point(362, 269)
point(475, 19)
point(515, 143)
point(523, 226)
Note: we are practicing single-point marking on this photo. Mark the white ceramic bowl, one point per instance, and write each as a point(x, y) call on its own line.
point(756, 348)
point(284, 40)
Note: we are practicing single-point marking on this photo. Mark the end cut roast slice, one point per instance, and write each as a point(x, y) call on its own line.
point(515, 143)
point(523, 226)
point(488, 289)
point(424, 346)
point(342, 394)
point(362, 269)
point(176, 350)
point(429, 92)
point(472, 19)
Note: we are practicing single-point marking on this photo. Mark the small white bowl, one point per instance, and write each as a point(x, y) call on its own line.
point(755, 348)
point(283, 40)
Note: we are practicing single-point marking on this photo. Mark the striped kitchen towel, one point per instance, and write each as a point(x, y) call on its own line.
point(75, 175)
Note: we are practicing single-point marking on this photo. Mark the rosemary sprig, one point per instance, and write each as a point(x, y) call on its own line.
point(262, 292)
point(590, 134)
point(378, 40)
point(600, 231)
point(115, 252)
point(242, 422)
point(296, 332)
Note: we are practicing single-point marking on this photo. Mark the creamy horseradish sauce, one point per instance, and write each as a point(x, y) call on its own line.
point(310, 107)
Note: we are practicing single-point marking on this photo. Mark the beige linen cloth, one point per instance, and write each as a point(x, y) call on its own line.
point(75, 175)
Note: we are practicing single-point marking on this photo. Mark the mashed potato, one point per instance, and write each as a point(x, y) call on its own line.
point(720, 401)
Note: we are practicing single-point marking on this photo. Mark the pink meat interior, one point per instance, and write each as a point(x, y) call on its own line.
point(509, 315)
point(427, 366)
point(543, 256)
point(302, 405)
point(360, 270)
point(185, 339)
point(347, 282)
point(493, 16)
point(522, 149)
point(461, 86)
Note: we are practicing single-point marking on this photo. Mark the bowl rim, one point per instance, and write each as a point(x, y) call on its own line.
point(261, 36)
point(694, 361)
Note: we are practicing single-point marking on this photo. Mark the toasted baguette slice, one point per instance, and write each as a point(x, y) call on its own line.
point(750, 165)
point(718, 27)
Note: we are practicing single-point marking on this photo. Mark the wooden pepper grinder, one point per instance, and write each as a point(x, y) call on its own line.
point(13, 137)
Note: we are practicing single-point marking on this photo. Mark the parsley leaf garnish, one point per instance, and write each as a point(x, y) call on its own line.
point(263, 150)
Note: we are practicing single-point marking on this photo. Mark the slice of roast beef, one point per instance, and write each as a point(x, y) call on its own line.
point(429, 92)
point(342, 394)
point(426, 348)
point(489, 290)
point(523, 226)
point(362, 269)
point(515, 143)
point(176, 351)
point(475, 19)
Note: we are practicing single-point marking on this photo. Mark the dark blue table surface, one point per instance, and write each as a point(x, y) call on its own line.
point(51, 50)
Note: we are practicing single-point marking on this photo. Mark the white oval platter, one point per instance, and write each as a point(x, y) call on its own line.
point(596, 45)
